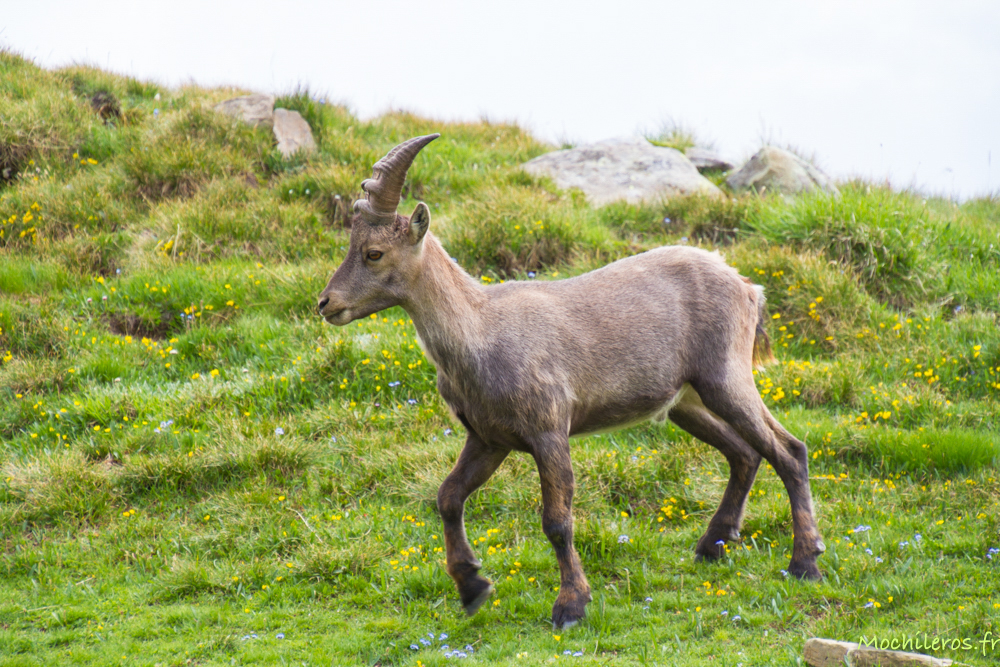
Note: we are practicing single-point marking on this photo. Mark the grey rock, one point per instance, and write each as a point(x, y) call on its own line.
point(254, 109)
point(703, 159)
point(292, 132)
point(773, 169)
point(615, 169)
point(831, 653)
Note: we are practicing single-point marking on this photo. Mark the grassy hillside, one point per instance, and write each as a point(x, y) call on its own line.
point(195, 469)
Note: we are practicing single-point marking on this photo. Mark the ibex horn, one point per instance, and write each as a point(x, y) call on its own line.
point(385, 187)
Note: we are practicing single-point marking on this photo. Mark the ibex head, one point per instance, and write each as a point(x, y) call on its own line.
point(384, 254)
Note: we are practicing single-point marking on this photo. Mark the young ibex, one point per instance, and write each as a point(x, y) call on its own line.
point(670, 333)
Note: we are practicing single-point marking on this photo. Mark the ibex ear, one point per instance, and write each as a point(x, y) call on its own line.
point(419, 222)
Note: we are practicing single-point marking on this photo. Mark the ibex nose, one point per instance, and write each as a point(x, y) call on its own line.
point(322, 304)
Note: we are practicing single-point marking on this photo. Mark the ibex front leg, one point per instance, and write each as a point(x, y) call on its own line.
point(551, 452)
point(475, 465)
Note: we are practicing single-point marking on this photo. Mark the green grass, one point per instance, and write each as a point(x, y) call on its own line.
point(192, 462)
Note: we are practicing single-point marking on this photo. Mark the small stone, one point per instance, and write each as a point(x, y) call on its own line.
point(254, 109)
point(776, 170)
point(707, 160)
point(832, 653)
point(292, 132)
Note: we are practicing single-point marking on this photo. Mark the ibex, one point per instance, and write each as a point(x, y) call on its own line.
point(670, 333)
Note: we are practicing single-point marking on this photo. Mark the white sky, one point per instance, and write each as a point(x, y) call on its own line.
point(908, 90)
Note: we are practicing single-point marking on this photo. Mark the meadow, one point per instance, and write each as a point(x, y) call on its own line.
point(196, 469)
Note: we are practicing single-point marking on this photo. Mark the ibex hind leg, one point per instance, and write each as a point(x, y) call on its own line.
point(551, 452)
point(477, 462)
point(691, 415)
point(737, 402)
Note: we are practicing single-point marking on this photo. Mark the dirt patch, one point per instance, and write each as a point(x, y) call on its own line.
point(12, 158)
point(106, 105)
point(179, 188)
point(130, 324)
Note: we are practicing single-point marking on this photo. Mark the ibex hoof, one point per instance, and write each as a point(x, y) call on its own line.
point(806, 571)
point(568, 610)
point(477, 594)
point(709, 549)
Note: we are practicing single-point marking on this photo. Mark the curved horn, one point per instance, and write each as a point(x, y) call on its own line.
point(384, 188)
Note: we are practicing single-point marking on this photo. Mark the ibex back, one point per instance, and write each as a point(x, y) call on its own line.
point(670, 333)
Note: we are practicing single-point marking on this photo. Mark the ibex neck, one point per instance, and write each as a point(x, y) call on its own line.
point(446, 306)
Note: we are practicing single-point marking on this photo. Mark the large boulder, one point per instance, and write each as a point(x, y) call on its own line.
point(820, 652)
point(254, 109)
point(704, 159)
point(630, 169)
point(773, 169)
point(292, 132)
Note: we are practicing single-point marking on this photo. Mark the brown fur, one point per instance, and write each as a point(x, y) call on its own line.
point(673, 332)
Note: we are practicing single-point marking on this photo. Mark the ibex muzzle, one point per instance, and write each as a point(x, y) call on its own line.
point(670, 333)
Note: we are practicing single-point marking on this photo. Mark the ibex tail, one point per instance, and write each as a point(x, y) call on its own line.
point(762, 354)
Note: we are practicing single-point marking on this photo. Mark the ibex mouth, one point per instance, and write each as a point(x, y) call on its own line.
point(337, 317)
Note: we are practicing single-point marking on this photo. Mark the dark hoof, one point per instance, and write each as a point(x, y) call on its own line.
point(806, 571)
point(475, 594)
point(708, 550)
point(569, 610)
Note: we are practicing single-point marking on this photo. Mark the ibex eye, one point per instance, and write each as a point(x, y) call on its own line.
point(374, 255)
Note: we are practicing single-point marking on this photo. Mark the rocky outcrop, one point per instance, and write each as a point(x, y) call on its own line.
point(832, 653)
point(254, 109)
point(773, 169)
point(707, 160)
point(630, 169)
point(292, 132)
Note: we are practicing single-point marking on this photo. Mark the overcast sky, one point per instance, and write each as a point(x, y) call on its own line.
point(908, 91)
